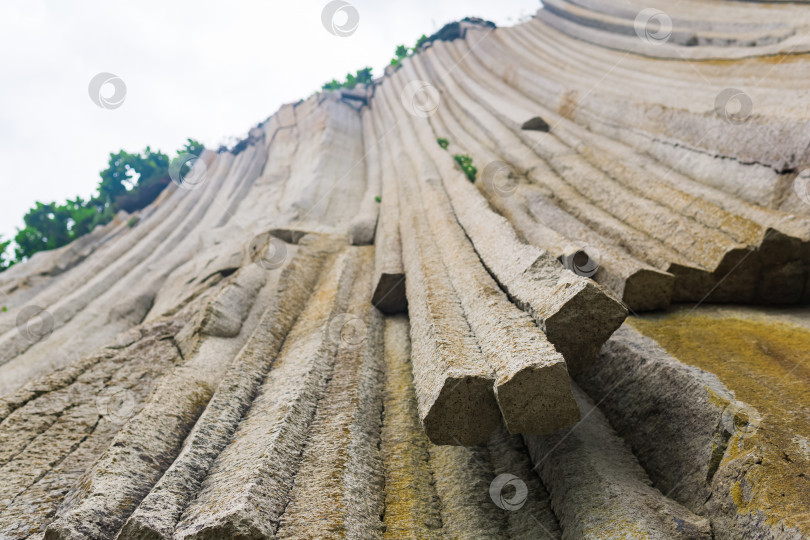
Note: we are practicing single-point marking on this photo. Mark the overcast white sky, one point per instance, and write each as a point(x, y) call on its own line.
point(202, 69)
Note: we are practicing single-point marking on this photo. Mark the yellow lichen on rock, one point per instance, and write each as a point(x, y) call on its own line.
point(764, 363)
point(411, 508)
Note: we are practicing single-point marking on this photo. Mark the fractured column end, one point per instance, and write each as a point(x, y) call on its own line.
point(464, 414)
point(538, 399)
point(647, 290)
point(389, 294)
point(583, 323)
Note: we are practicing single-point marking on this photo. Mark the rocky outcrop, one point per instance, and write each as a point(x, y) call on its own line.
point(599, 490)
point(399, 310)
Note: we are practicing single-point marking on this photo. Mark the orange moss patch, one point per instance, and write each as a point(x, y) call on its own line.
point(767, 365)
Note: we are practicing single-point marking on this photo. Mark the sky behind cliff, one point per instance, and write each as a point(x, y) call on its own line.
point(202, 69)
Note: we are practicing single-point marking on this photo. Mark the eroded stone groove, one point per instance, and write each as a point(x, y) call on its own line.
point(338, 487)
point(444, 491)
point(598, 488)
point(346, 331)
point(389, 272)
point(649, 396)
point(247, 488)
point(411, 504)
point(526, 367)
point(159, 512)
point(69, 424)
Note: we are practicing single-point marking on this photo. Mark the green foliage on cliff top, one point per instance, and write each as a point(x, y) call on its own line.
point(130, 182)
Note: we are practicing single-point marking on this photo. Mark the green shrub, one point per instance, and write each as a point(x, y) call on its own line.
point(6, 258)
point(402, 52)
point(130, 182)
point(465, 162)
point(361, 76)
point(334, 84)
point(419, 42)
point(444, 143)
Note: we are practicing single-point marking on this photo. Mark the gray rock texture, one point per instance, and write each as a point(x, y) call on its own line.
point(598, 488)
point(520, 286)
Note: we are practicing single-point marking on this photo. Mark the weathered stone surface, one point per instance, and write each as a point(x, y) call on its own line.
point(223, 316)
point(246, 490)
point(599, 490)
point(338, 486)
point(362, 227)
point(531, 380)
point(759, 487)
point(55, 428)
point(411, 503)
point(222, 365)
point(389, 273)
point(560, 301)
point(668, 412)
point(531, 517)
point(454, 383)
point(639, 285)
point(159, 512)
point(422, 478)
point(491, 94)
point(137, 458)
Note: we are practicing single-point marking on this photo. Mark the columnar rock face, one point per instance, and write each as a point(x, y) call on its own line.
point(395, 310)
